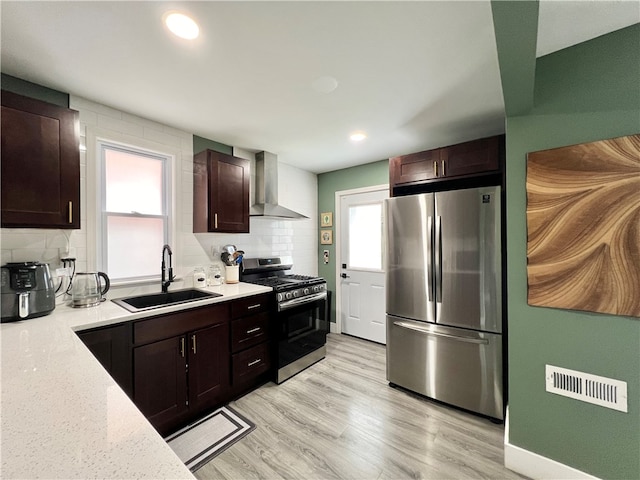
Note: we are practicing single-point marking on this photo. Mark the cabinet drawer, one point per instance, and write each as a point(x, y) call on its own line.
point(251, 363)
point(250, 305)
point(174, 324)
point(249, 331)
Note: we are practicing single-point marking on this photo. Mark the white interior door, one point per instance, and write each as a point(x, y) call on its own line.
point(361, 267)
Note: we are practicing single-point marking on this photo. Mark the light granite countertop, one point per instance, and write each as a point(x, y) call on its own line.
point(63, 416)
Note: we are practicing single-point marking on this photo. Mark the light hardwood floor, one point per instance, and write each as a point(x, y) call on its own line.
point(339, 419)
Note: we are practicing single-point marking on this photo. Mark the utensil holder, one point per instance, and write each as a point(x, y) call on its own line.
point(232, 273)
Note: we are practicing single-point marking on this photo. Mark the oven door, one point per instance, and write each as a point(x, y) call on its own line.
point(303, 327)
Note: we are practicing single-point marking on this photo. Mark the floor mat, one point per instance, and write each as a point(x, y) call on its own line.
point(199, 442)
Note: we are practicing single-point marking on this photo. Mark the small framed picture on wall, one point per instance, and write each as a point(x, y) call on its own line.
point(326, 219)
point(326, 237)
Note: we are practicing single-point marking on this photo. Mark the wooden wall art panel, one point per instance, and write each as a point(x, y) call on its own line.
point(583, 227)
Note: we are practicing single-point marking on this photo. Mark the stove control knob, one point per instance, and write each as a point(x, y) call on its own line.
point(317, 288)
point(296, 293)
point(288, 295)
point(306, 291)
point(280, 297)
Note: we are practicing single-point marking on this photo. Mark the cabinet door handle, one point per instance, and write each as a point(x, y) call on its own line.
point(193, 343)
point(215, 220)
point(182, 347)
point(257, 329)
point(251, 364)
point(443, 171)
point(70, 212)
point(435, 168)
point(251, 307)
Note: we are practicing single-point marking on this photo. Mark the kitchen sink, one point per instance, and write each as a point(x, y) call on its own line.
point(159, 300)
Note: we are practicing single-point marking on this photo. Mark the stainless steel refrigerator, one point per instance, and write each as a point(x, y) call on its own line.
point(444, 297)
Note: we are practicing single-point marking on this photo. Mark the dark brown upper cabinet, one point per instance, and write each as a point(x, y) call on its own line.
point(464, 160)
point(40, 164)
point(220, 193)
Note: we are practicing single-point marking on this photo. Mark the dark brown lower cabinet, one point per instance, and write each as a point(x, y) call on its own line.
point(160, 380)
point(178, 367)
point(208, 367)
point(112, 347)
point(177, 378)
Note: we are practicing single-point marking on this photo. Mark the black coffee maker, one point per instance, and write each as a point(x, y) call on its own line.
point(27, 291)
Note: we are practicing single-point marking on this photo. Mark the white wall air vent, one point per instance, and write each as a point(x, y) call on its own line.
point(585, 387)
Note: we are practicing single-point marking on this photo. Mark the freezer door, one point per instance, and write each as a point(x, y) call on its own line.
point(467, 259)
point(453, 365)
point(409, 259)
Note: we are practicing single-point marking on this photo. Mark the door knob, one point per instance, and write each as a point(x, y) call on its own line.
point(344, 275)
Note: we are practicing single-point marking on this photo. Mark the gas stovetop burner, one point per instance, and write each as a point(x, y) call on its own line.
point(271, 272)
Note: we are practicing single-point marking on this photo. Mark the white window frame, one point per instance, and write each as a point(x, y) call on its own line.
point(94, 200)
point(103, 146)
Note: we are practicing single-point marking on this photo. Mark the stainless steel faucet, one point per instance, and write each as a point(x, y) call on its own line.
point(166, 281)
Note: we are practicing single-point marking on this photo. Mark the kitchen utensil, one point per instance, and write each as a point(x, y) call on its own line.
point(87, 290)
point(226, 258)
point(27, 291)
point(230, 249)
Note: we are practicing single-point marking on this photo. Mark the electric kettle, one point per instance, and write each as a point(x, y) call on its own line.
point(87, 290)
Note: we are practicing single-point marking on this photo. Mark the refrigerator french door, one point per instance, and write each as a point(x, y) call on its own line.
point(444, 305)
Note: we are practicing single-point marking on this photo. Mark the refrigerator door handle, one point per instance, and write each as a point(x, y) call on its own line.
point(430, 272)
point(427, 331)
point(438, 261)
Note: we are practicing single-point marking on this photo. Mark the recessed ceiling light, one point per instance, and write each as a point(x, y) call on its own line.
point(181, 25)
point(358, 136)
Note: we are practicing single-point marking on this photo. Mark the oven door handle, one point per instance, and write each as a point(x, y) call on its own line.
point(301, 301)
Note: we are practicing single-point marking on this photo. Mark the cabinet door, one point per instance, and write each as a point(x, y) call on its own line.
point(160, 380)
point(228, 194)
point(220, 193)
point(415, 167)
point(112, 348)
point(209, 373)
point(40, 164)
point(471, 157)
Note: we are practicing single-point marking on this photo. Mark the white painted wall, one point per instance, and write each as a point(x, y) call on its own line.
point(294, 238)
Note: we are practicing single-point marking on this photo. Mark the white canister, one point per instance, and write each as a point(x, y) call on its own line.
point(232, 273)
point(199, 277)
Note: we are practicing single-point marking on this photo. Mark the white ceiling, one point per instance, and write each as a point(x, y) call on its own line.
point(412, 75)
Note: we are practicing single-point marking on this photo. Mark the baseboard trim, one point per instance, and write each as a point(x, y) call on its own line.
point(536, 466)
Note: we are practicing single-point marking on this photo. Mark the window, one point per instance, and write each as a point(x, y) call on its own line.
point(134, 211)
point(365, 236)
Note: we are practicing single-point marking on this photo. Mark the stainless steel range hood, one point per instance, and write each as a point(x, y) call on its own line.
point(266, 190)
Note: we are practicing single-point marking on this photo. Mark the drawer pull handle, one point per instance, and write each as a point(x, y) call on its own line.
point(251, 307)
point(193, 339)
point(257, 329)
point(182, 347)
point(251, 364)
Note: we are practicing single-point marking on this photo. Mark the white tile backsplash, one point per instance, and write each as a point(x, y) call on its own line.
point(285, 238)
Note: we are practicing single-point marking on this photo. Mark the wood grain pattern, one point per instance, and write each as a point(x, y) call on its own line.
point(583, 227)
point(339, 419)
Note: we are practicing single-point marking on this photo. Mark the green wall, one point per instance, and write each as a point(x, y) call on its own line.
point(200, 144)
point(329, 183)
point(584, 93)
point(32, 90)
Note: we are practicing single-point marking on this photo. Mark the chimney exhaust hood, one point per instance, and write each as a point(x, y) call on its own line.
point(266, 190)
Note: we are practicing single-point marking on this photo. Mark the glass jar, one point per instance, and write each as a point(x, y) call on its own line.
point(214, 276)
point(199, 277)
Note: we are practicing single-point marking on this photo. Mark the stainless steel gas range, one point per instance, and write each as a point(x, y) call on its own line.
point(301, 313)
